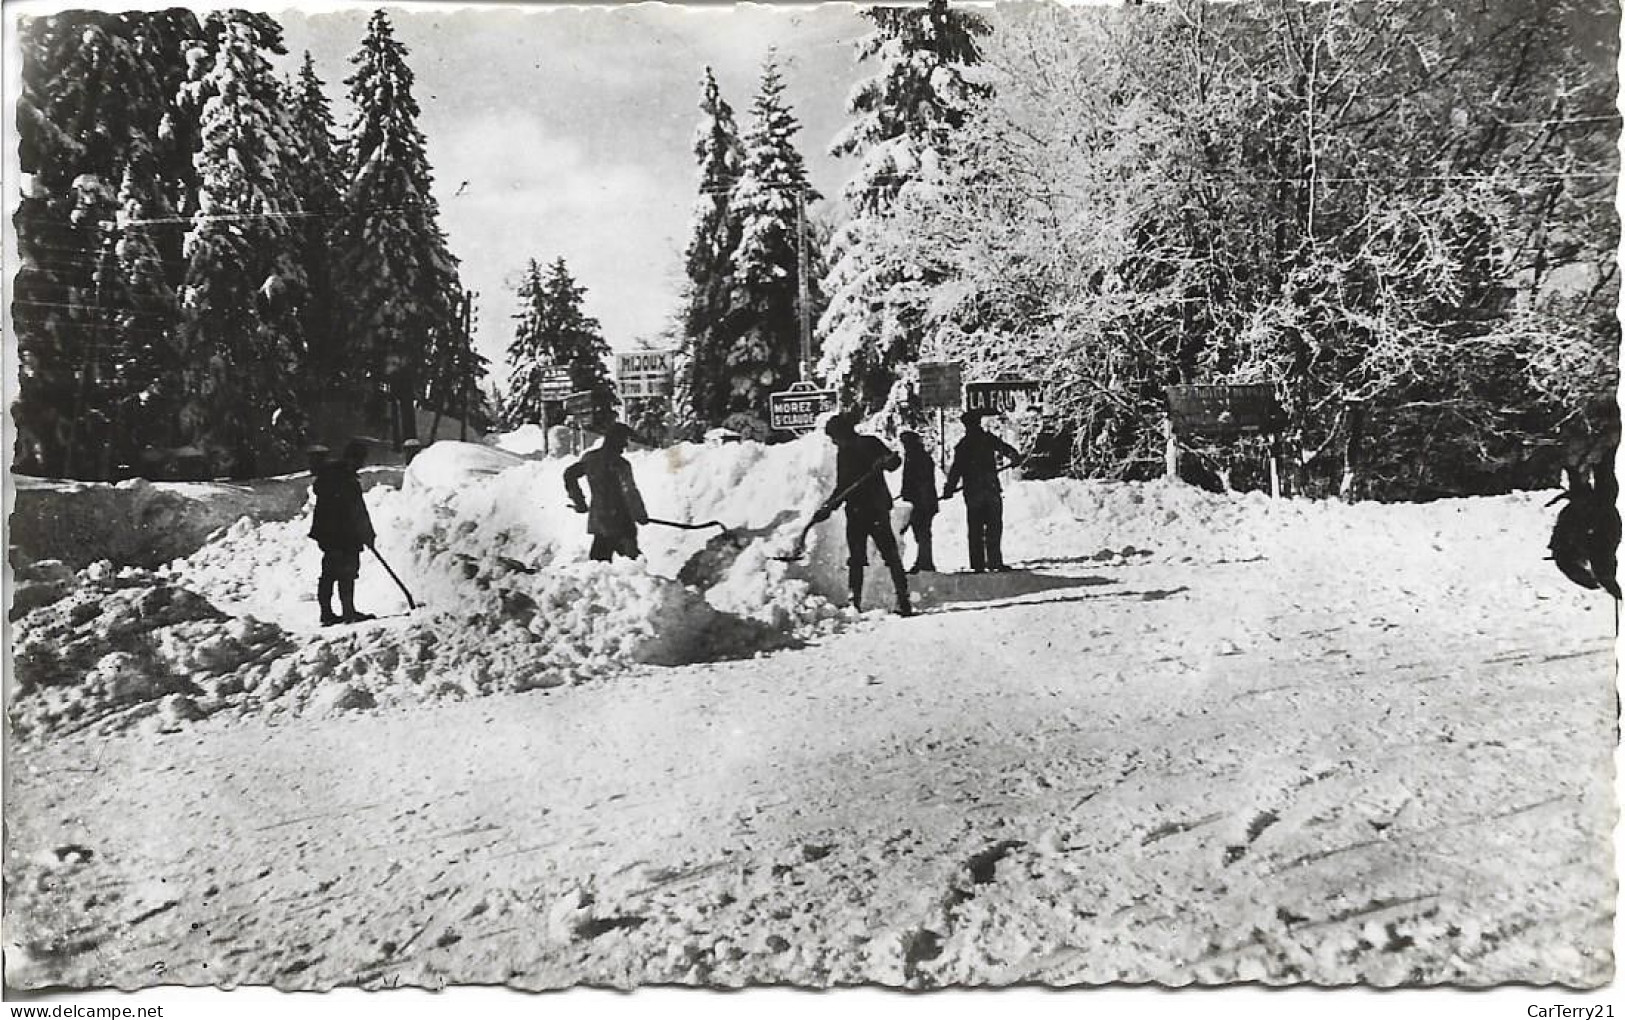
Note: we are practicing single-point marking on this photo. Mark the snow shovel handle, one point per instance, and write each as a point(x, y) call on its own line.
point(874, 469)
point(800, 548)
point(410, 604)
point(688, 526)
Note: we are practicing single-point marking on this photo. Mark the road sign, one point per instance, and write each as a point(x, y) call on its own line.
point(556, 384)
point(797, 409)
point(940, 383)
point(641, 374)
point(1219, 410)
point(583, 404)
point(1001, 396)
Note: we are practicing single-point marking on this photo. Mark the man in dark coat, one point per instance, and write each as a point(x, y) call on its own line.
point(617, 506)
point(860, 484)
point(976, 466)
point(920, 492)
point(1585, 540)
point(342, 528)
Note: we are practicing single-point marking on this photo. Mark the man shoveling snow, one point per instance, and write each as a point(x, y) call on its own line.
point(976, 465)
point(342, 528)
point(860, 483)
point(617, 506)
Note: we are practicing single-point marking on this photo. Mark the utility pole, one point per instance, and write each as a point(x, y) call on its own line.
point(805, 313)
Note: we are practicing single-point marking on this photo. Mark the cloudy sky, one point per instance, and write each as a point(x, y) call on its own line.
point(573, 130)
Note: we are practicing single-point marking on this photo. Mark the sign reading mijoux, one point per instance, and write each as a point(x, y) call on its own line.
point(1001, 396)
point(797, 409)
point(940, 383)
point(641, 374)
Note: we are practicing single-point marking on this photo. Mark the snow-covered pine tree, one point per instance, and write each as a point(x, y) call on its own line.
point(399, 282)
point(572, 337)
point(148, 376)
point(240, 329)
point(685, 423)
point(316, 183)
point(96, 88)
point(553, 332)
point(903, 118)
point(526, 358)
point(763, 352)
point(455, 368)
point(703, 389)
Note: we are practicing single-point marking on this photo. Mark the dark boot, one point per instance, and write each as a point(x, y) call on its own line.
point(922, 551)
point(900, 584)
point(854, 584)
point(347, 603)
point(324, 598)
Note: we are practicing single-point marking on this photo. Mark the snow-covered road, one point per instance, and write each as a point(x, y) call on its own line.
point(1316, 767)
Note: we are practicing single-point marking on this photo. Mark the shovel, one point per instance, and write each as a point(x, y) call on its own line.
point(1007, 465)
point(410, 604)
point(727, 532)
point(799, 550)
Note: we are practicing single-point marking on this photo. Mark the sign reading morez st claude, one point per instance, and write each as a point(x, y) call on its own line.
point(797, 410)
point(643, 374)
point(1001, 396)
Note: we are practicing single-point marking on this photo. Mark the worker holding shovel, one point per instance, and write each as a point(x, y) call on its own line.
point(976, 465)
point(342, 528)
point(617, 506)
point(860, 484)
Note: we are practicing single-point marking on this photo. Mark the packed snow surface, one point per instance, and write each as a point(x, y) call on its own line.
point(1196, 737)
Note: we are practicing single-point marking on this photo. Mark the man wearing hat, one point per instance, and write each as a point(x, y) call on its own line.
point(342, 528)
point(860, 484)
point(976, 466)
point(617, 506)
point(316, 456)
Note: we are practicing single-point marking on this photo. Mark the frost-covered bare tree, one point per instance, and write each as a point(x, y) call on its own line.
point(1410, 205)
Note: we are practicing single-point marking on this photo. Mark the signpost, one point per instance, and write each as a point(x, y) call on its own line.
point(1002, 396)
point(556, 385)
point(582, 404)
point(585, 409)
point(797, 409)
point(555, 388)
point(941, 386)
point(644, 374)
point(1225, 412)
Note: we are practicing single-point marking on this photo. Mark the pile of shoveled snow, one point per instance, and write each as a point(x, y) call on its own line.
point(128, 645)
point(490, 547)
point(145, 524)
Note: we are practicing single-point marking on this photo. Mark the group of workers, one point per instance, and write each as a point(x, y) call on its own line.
point(614, 507)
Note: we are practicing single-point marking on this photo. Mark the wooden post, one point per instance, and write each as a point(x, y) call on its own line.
point(1170, 453)
point(1275, 465)
point(803, 311)
point(942, 440)
point(1354, 424)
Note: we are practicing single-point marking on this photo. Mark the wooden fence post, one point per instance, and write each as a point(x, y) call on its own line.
point(1354, 424)
point(1275, 465)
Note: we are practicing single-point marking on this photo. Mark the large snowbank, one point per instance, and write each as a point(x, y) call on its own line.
point(490, 547)
point(142, 523)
